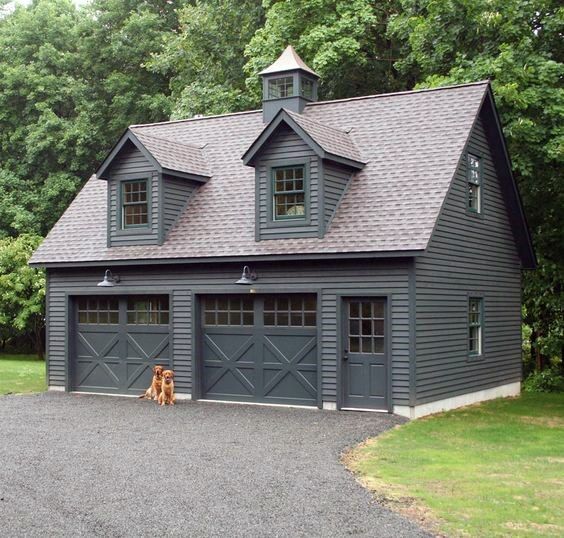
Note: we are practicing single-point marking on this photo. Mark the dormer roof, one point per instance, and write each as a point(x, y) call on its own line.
point(178, 159)
point(288, 61)
point(326, 141)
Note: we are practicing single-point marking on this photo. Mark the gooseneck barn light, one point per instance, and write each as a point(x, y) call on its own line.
point(109, 280)
point(247, 277)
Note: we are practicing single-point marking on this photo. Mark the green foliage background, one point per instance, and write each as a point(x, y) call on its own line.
point(72, 79)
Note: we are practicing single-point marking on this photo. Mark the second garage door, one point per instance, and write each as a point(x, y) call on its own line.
point(260, 348)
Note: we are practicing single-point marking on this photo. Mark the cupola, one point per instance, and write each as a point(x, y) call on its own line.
point(288, 83)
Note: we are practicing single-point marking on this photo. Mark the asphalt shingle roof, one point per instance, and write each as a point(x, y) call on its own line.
point(332, 140)
point(411, 141)
point(172, 155)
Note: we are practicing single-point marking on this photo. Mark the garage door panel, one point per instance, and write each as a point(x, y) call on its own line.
point(290, 388)
point(98, 375)
point(271, 361)
point(229, 382)
point(291, 348)
point(117, 343)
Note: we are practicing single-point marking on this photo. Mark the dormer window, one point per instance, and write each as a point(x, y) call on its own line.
point(474, 183)
point(280, 87)
point(135, 207)
point(289, 197)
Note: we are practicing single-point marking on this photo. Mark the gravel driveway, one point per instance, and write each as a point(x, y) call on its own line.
point(78, 465)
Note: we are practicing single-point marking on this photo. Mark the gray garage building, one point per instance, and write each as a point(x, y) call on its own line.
point(381, 241)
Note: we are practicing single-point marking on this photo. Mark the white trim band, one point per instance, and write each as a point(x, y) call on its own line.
point(503, 391)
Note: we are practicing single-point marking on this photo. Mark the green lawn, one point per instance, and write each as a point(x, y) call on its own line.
point(21, 373)
point(496, 469)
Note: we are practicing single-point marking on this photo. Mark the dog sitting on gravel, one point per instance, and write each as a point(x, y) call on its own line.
point(167, 393)
point(154, 391)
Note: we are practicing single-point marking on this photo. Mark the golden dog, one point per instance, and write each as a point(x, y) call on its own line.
point(154, 391)
point(167, 393)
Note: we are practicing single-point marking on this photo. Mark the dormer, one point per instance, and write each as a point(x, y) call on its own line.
point(288, 83)
point(302, 170)
point(150, 182)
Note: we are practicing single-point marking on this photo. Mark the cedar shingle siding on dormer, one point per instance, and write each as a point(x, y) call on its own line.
point(130, 164)
point(285, 147)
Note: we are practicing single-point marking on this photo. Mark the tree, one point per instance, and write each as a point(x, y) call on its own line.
point(70, 82)
point(204, 59)
point(518, 45)
point(22, 290)
point(344, 41)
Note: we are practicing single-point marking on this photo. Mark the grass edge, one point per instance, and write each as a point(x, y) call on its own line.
point(393, 497)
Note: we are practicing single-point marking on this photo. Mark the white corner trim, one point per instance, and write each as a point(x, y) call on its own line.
point(330, 406)
point(503, 391)
point(52, 388)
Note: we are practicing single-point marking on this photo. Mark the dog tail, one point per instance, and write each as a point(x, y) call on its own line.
point(142, 396)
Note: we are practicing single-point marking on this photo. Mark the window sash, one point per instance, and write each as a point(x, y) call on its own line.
point(307, 88)
point(135, 209)
point(278, 88)
point(280, 196)
point(475, 326)
point(474, 180)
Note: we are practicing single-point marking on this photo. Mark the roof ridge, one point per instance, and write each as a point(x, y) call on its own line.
point(320, 103)
point(397, 94)
point(187, 144)
point(198, 118)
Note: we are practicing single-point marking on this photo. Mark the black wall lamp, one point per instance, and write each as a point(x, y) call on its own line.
point(109, 280)
point(247, 277)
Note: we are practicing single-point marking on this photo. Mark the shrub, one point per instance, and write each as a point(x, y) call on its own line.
point(549, 380)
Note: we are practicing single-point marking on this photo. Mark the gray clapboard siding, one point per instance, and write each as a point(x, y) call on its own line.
point(332, 280)
point(285, 145)
point(176, 193)
point(129, 164)
point(468, 255)
point(336, 179)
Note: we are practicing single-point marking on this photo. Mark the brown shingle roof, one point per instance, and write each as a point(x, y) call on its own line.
point(412, 143)
point(331, 139)
point(171, 155)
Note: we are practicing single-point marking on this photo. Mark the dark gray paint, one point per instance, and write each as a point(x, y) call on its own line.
point(468, 254)
point(365, 375)
point(296, 103)
point(130, 163)
point(176, 194)
point(286, 148)
point(116, 358)
point(332, 279)
point(336, 180)
point(268, 364)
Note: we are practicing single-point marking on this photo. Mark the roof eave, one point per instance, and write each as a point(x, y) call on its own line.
point(240, 258)
point(186, 175)
point(527, 251)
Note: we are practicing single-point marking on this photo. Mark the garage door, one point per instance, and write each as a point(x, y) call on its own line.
point(260, 348)
point(116, 342)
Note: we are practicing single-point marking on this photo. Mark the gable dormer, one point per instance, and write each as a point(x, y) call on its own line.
point(150, 181)
point(302, 169)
